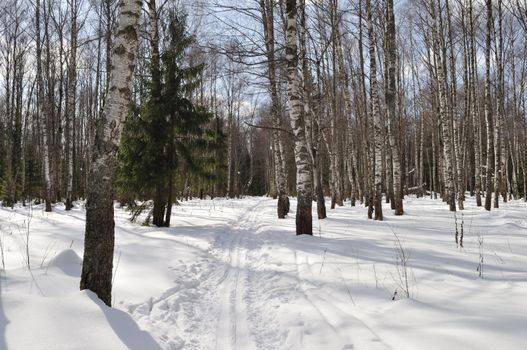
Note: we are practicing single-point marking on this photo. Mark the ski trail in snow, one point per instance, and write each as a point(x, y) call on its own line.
point(207, 309)
point(232, 327)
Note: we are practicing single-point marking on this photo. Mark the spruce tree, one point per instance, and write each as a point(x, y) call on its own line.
point(167, 132)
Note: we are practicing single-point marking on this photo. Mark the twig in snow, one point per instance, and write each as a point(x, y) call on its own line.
point(36, 283)
point(376, 279)
point(46, 253)
point(26, 238)
point(480, 264)
point(323, 260)
point(462, 233)
point(2, 240)
point(116, 267)
point(346, 285)
point(401, 264)
point(457, 232)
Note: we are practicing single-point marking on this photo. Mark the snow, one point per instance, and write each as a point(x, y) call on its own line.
point(229, 275)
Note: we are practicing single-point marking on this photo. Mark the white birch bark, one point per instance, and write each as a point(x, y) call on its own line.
point(443, 113)
point(267, 10)
point(377, 122)
point(70, 103)
point(43, 110)
point(99, 239)
point(391, 101)
point(304, 184)
point(488, 110)
point(474, 109)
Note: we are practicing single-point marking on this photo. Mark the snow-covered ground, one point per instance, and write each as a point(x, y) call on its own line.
point(229, 275)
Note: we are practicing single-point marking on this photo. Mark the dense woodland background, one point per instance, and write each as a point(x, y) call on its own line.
point(351, 99)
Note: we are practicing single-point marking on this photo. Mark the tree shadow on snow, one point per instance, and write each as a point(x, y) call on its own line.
point(3, 319)
point(125, 327)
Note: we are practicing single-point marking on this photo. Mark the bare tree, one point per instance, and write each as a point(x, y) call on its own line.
point(488, 109)
point(391, 99)
point(304, 185)
point(376, 115)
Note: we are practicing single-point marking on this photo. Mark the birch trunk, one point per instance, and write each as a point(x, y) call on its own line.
point(99, 239)
point(454, 115)
point(267, 10)
point(70, 104)
point(474, 109)
point(515, 143)
point(315, 145)
point(304, 224)
point(43, 111)
point(450, 194)
point(311, 120)
point(377, 122)
point(391, 101)
point(500, 151)
point(488, 110)
point(344, 82)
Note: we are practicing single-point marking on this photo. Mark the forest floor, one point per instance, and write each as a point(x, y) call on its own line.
point(229, 275)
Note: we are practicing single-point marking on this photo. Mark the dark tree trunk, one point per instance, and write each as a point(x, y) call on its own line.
point(321, 204)
point(158, 213)
point(169, 201)
point(97, 265)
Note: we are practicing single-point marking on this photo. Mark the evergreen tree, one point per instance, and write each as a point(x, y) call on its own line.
point(167, 133)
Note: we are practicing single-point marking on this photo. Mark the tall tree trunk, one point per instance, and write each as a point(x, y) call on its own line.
point(43, 109)
point(488, 109)
point(474, 108)
point(311, 117)
point(160, 197)
point(391, 106)
point(170, 200)
point(454, 114)
point(99, 239)
point(158, 211)
point(267, 10)
point(304, 222)
point(500, 150)
point(439, 50)
point(70, 104)
point(377, 122)
point(351, 157)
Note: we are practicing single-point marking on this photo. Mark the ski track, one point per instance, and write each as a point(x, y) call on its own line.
point(231, 275)
point(232, 326)
point(218, 303)
point(211, 291)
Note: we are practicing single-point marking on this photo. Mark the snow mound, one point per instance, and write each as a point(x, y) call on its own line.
point(68, 262)
point(80, 321)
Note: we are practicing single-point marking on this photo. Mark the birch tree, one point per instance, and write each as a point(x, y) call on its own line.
point(488, 109)
point(70, 102)
point(376, 115)
point(267, 10)
point(446, 129)
point(391, 100)
point(99, 239)
point(304, 186)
